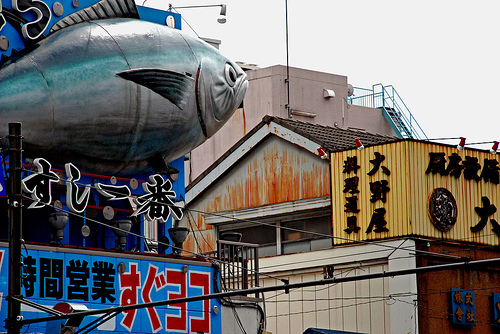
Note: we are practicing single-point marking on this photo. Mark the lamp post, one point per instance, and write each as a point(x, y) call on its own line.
point(15, 227)
point(223, 10)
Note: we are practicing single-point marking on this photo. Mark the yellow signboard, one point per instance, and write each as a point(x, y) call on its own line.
point(415, 188)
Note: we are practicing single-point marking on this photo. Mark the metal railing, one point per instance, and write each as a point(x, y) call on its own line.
point(394, 109)
point(239, 267)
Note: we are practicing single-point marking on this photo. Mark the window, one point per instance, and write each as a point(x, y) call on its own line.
point(285, 236)
point(295, 237)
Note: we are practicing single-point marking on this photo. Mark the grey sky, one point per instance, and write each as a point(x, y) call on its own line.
point(441, 56)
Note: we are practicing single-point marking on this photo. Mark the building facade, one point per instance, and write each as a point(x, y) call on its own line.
point(394, 205)
point(268, 95)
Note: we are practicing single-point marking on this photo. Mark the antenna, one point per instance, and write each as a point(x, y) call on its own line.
point(287, 80)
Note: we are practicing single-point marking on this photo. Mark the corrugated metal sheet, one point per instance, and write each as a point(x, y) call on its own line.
point(410, 189)
point(276, 172)
point(467, 194)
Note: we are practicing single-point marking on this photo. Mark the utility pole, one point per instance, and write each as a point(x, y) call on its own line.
point(15, 228)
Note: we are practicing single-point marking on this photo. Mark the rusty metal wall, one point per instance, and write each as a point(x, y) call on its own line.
point(274, 172)
point(407, 200)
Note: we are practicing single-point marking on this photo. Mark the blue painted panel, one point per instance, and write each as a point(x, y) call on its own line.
point(159, 16)
point(2, 179)
point(94, 281)
point(496, 308)
point(463, 306)
point(16, 41)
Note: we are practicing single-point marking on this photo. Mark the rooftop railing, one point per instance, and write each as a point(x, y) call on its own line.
point(394, 109)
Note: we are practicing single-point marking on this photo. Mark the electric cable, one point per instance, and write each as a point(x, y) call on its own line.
point(326, 287)
point(208, 258)
point(408, 248)
point(185, 21)
point(196, 254)
point(317, 234)
point(194, 235)
point(284, 227)
point(281, 227)
point(203, 237)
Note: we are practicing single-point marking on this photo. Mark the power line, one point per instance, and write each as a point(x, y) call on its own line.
point(380, 299)
point(327, 287)
point(255, 222)
point(407, 248)
point(193, 253)
point(208, 258)
point(267, 224)
point(285, 227)
point(320, 234)
point(461, 265)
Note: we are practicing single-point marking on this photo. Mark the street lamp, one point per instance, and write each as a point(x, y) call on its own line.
point(223, 9)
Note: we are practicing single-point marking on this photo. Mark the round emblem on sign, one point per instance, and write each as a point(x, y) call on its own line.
point(443, 209)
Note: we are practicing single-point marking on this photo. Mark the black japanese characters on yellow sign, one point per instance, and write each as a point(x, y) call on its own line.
point(442, 205)
point(378, 193)
point(416, 188)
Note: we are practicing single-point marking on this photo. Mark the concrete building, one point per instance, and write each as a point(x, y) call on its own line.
point(314, 97)
point(271, 187)
point(363, 222)
point(396, 208)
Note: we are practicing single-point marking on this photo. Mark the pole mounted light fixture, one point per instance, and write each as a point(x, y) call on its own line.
point(461, 145)
point(223, 10)
point(359, 145)
point(322, 153)
point(494, 148)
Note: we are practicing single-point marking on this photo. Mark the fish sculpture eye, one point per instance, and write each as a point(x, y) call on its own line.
point(230, 74)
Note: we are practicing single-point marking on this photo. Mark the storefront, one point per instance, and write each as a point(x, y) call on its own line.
point(445, 199)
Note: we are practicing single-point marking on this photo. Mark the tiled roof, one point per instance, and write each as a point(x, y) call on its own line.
point(333, 139)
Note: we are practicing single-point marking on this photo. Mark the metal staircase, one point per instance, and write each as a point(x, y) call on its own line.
point(393, 108)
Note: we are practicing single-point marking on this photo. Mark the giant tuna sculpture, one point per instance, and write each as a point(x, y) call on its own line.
point(119, 96)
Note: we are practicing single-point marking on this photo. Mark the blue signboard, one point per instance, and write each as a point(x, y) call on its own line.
point(23, 22)
point(463, 307)
point(496, 308)
point(100, 282)
point(152, 198)
point(2, 180)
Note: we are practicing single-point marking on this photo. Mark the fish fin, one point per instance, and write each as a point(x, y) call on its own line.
point(160, 166)
point(171, 85)
point(104, 9)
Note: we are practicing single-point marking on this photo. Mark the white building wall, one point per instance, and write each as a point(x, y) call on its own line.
point(248, 318)
point(383, 305)
point(403, 290)
point(267, 95)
